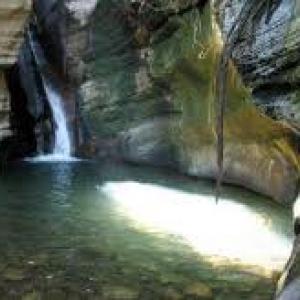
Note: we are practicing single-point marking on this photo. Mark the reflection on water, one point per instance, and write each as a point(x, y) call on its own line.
point(143, 233)
point(225, 229)
point(61, 181)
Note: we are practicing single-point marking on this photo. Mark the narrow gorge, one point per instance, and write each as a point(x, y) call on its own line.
point(116, 120)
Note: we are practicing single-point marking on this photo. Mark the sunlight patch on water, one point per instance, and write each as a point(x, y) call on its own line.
point(227, 229)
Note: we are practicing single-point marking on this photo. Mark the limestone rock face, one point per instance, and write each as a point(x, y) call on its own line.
point(268, 54)
point(4, 108)
point(13, 15)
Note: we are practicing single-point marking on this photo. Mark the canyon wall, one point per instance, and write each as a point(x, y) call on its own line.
point(268, 58)
point(13, 15)
point(139, 85)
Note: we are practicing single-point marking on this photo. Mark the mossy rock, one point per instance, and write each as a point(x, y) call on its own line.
point(119, 293)
point(199, 290)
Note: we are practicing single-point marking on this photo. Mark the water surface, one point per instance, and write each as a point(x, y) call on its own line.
point(86, 230)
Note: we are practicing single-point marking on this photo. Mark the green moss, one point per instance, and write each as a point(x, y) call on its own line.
point(180, 61)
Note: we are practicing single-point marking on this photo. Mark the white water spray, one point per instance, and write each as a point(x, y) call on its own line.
point(62, 144)
point(62, 148)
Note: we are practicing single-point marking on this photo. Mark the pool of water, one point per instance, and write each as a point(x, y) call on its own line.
point(87, 230)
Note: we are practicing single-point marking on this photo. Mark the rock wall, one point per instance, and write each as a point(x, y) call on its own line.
point(139, 80)
point(267, 56)
point(139, 85)
point(5, 130)
point(13, 15)
point(269, 62)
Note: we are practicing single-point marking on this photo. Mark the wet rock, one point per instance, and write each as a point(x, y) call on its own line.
point(149, 143)
point(56, 294)
point(291, 292)
point(14, 274)
point(119, 293)
point(33, 296)
point(5, 130)
point(172, 294)
point(199, 291)
point(269, 63)
point(167, 278)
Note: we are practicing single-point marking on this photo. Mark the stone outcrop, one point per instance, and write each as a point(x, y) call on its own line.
point(5, 130)
point(289, 284)
point(267, 56)
point(13, 15)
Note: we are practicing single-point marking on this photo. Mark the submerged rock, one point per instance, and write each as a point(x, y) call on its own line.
point(199, 291)
point(119, 293)
point(14, 274)
point(172, 294)
point(33, 296)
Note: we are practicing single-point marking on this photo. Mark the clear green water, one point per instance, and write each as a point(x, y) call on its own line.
point(108, 231)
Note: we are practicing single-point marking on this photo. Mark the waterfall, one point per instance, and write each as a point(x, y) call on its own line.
point(62, 144)
point(62, 148)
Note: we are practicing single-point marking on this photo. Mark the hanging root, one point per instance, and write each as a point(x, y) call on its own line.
point(248, 12)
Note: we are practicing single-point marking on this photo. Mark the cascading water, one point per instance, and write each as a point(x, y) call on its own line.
point(62, 144)
point(62, 148)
